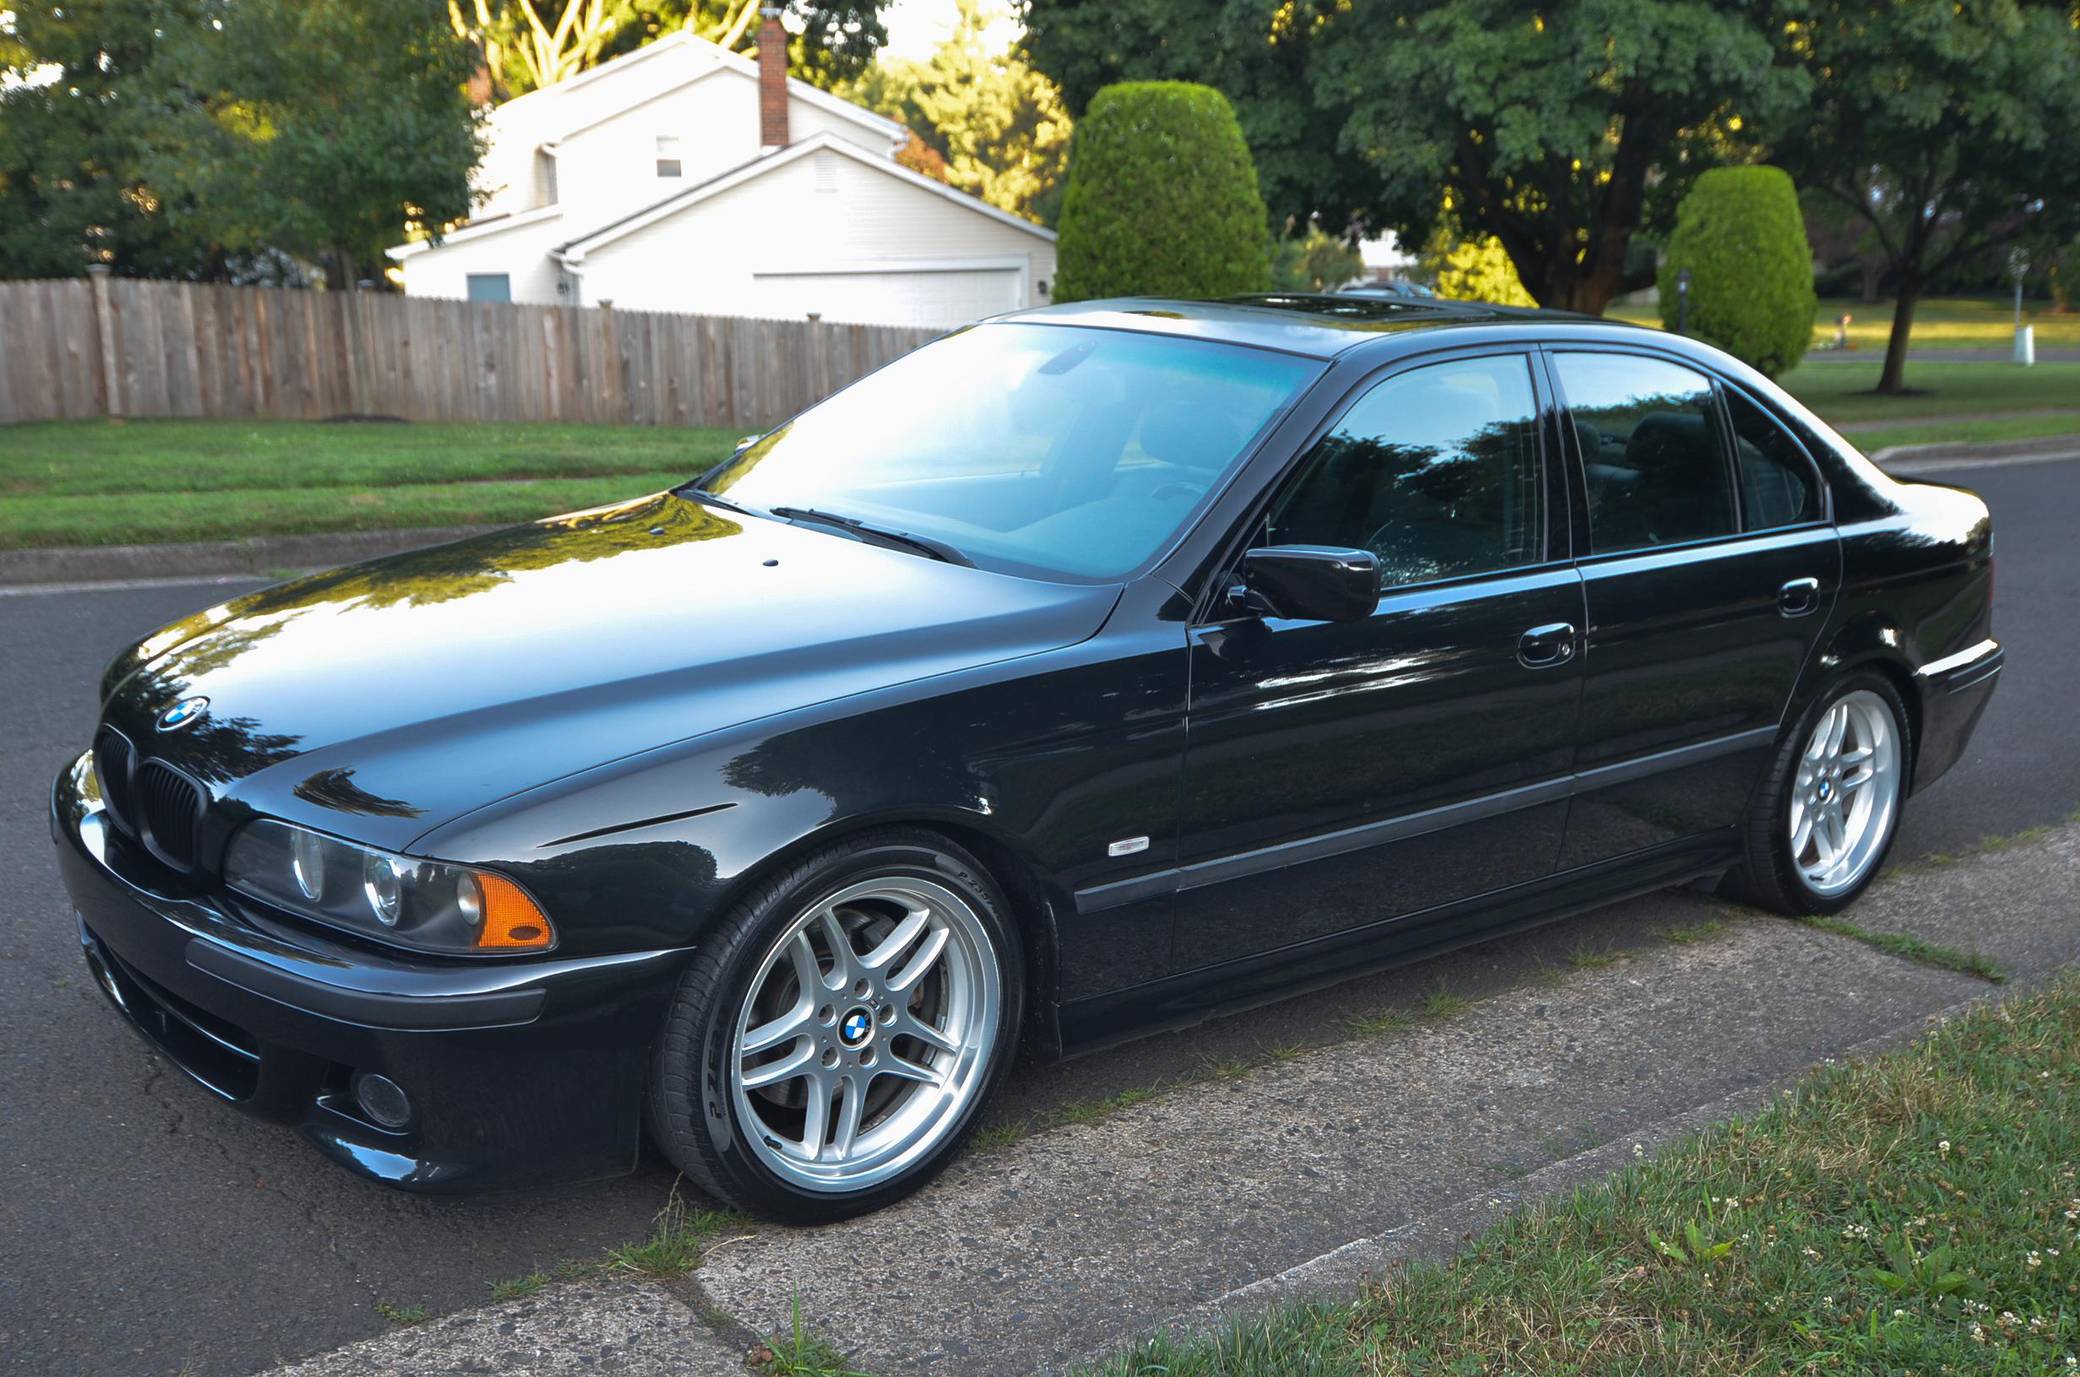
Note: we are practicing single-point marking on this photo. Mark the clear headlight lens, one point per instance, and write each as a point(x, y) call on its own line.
point(426, 904)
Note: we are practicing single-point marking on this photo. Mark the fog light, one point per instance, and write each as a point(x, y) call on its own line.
point(382, 1099)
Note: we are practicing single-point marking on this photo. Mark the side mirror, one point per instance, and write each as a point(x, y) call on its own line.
point(1315, 583)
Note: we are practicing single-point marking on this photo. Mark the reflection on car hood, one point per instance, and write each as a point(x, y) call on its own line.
point(385, 698)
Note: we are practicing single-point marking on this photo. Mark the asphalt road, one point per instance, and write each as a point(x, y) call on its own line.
point(146, 1229)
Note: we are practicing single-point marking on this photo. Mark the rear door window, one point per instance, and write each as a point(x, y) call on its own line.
point(1653, 453)
point(1778, 485)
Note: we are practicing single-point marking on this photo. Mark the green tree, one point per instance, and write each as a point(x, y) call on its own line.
point(1559, 129)
point(999, 126)
point(1162, 198)
point(74, 81)
point(1740, 236)
point(316, 127)
point(176, 137)
point(1257, 52)
point(1948, 127)
point(1463, 269)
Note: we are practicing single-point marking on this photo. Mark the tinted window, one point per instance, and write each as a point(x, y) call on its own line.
point(1435, 471)
point(1651, 451)
point(1778, 486)
point(1054, 448)
point(490, 287)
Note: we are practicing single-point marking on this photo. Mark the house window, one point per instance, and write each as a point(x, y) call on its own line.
point(667, 155)
point(490, 287)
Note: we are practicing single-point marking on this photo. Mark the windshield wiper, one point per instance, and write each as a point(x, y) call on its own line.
point(709, 499)
point(936, 549)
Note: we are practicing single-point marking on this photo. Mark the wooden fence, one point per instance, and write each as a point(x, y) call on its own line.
point(109, 346)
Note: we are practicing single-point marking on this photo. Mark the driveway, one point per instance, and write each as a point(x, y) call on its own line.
point(146, 1229)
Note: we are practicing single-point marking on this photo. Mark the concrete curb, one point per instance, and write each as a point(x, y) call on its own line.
point(1902, 459)
point(261, 556)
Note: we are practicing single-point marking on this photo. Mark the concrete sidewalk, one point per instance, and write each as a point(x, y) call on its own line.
point(1309, 1172)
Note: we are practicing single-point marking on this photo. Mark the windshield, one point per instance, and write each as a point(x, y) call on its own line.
point(1060, 449)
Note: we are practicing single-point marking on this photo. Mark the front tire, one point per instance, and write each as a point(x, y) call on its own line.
point(1825, 816)
point(830, 1046)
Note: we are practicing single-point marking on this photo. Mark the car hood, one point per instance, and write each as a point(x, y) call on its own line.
point(383, 699)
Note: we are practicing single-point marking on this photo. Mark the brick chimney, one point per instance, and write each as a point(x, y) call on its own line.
point(772, 80)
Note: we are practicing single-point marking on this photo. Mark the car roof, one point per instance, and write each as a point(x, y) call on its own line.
point(1318, 324)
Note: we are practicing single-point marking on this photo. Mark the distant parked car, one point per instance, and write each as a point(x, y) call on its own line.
point(1089, 671)
point(1399, 286)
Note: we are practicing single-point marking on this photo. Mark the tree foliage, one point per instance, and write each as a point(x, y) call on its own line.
point(1257, 52)
point(1471, 269)
point(1740, 236)
point(181, 139)
point(1559, 129)
point(528, 44)
point(1162, 198)
point(998, 125)
point(1948, 128)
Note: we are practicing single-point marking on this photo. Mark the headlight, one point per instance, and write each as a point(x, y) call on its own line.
point(430, 905)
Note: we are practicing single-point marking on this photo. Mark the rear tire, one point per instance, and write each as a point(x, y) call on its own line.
point(1824, 817)
point(832, 1042)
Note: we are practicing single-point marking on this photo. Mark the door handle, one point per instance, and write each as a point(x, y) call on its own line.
point(1798, 597)
point(1543, 647)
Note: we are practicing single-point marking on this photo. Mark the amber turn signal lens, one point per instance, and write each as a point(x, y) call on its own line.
point(511, 921)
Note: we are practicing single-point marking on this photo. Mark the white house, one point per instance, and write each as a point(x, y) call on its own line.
point(685, 177)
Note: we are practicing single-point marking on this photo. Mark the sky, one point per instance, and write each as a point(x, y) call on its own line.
point(917, 27)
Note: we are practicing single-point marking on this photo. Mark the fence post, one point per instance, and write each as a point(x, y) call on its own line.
point(105, 336)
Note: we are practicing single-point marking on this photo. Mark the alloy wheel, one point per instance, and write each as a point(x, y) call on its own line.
point(1845, 795)
point(866, 1034)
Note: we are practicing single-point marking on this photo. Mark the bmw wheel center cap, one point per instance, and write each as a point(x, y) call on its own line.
point(855, 1028)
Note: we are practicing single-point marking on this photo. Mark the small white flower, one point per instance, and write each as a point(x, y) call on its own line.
point(1978, 1333)
point(1944, 1147)
point(1811, 1253)
point(2034, 1260)
point(1639, 1149)
point(1898, 1314)
point(1857, 1231)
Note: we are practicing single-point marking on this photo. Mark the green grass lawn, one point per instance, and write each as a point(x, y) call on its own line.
point(141, 482)
point(1872, 436)
point(1939, 323)
point(1842, 391)
point(1916, 1213)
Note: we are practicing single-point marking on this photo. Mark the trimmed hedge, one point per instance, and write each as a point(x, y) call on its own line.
point(1162, 198)
point(1741, 235)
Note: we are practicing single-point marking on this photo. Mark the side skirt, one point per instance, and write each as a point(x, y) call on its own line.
point(1179, 1001)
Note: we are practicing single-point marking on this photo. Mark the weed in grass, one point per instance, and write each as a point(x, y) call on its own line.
point(518, 1288)
point(1443, 1003)
point(678, 1239)
point(1228, 1070)
point(1383, 1022)
point(1911, 948)
point(1689, 934)
point(402, 1315)
point(1097, 1111)
point(1593, 959)
point(800, 1353)
point(994, 1136)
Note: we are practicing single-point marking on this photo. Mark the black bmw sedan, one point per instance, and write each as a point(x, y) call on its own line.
point(1088, 671)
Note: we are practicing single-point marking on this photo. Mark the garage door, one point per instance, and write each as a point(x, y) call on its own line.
point(923, 297)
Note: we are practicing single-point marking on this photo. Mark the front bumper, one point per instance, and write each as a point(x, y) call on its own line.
point(1954, 693)
point(519, 1072)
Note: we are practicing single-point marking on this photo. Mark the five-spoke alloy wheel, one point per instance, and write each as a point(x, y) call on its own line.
point(829, 1049)
point(1826, 814)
